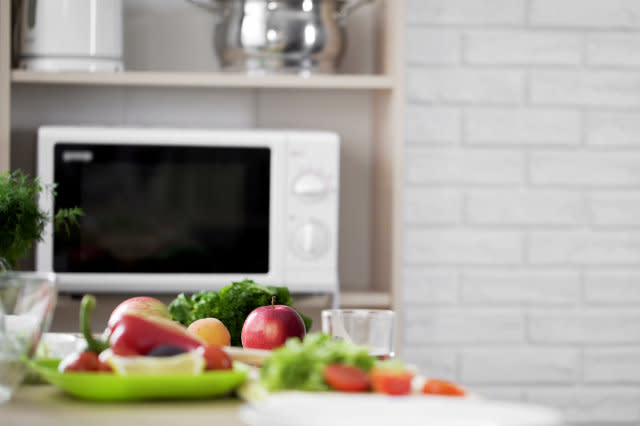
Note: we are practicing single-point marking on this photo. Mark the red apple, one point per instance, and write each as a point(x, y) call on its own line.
point(143, 306)
point(268, 327)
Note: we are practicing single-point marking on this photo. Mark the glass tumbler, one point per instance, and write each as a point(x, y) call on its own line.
point(27, 301)
point(374, 328)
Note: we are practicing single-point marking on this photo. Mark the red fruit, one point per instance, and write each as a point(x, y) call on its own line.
point(143, 306)
point(442, 387)
point(391, 381)
point(135, 335)
point(79, 361)
point(345, 378)
point(268, 327)
point(216, 358)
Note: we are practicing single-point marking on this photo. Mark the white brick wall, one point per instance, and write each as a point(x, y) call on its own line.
point(461, 85)
point(522, 201)
point(520, 286)
point(511, 126)
point(522, 47)
point(464, 166)
point(519, 365)
point(525, 207)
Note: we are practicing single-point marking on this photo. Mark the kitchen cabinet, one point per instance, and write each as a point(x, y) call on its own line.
point(363, 103)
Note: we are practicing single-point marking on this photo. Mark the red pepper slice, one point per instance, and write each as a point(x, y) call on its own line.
point(135, 335)
point(442, 387)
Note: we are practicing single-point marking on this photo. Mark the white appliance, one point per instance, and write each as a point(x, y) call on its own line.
point(70, 35)
point(170, 210)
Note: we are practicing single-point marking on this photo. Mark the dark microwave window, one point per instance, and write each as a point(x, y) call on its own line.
point(163, 209)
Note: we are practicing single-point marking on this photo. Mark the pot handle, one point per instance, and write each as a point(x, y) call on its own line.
point(349, 7)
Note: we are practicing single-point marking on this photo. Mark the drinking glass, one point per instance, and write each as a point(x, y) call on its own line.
point(27, 301)
point(374, 328)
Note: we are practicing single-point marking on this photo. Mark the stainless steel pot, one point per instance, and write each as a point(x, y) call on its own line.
point(280, 36)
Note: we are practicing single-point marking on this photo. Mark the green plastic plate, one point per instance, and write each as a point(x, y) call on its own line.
point(111, 387)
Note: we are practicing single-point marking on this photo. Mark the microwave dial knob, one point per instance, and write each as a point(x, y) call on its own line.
point(310, 187)
point(310, 240)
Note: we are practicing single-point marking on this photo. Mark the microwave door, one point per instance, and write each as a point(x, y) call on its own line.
point(163, 209)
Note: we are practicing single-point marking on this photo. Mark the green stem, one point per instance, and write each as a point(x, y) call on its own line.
point(86, 308)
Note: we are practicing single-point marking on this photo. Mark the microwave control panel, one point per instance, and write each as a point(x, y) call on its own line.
point(313, 176)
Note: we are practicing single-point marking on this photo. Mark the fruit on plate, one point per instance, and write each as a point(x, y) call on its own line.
point(391, 378)
point(269, 327)
point(346, 378)
point(442, 387)
point(192, 362)
point(211, 330)
point(134, 335)
point(143, 345)
point(142, 305)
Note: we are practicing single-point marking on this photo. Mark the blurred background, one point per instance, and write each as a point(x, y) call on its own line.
point(490, 175)
point(521, 239)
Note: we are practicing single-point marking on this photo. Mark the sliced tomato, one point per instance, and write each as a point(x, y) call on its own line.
point(442, 387)
point(391, 381)
point(346, 378)
point(216, 358)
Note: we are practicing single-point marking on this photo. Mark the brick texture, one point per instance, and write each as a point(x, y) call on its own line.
point(526, 286)
point(531, 207)
point(448, 326)
point(522, 47)
point(465, 86)
point(511, 126)
point(461, 166)
point(521, 248)
point(519, 365)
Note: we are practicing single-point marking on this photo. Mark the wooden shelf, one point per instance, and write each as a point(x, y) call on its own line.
point(193, 79)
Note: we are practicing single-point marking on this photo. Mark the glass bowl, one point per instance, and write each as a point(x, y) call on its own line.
point(27, 301)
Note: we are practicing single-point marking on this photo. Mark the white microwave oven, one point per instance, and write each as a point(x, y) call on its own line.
point(169, 210)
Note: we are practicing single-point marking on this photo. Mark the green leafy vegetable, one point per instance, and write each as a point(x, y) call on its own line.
point(299, 365)
point(21, 220)
point(231, 305)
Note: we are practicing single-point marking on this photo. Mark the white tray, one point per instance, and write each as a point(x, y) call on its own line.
point(321, 409)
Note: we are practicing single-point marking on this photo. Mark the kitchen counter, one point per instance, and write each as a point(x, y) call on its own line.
point(46, 405)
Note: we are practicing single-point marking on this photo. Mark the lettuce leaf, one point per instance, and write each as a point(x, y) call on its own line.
point(299, 365)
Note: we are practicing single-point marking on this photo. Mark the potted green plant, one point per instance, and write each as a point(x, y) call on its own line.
point(22, 222)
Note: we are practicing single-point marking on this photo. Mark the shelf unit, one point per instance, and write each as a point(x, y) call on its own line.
point(384, 88)
point(204, 80)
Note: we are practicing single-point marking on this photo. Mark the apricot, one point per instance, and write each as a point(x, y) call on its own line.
point(211, 330)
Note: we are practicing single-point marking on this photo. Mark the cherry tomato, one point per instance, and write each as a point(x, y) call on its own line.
point(216, 358)
point(80, 361)
point(442, 387)
point(391, 381)
point(103, 366)
point(346, 378)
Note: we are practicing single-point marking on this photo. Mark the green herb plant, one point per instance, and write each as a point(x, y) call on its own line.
point(231, 305)
point(21, 220)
